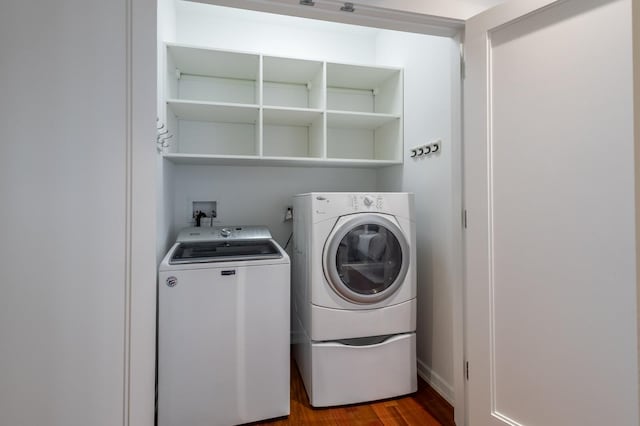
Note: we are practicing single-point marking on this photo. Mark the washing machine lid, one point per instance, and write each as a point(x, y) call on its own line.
point(366, 257)
point(224, 251)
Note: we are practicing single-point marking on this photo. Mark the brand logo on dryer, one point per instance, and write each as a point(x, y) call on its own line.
point(320, 210)
point(172, 281)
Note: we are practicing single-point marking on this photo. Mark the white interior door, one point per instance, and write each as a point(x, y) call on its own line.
point(549, 192)
point(77, 218)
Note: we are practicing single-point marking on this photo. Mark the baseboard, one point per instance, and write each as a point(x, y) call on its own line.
point(436, 382)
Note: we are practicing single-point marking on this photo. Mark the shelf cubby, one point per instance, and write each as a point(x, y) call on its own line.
point(213, 128)
point(363, 136)
point(289, 132)
point(292, 83)
point(364, 89)
point(217, 138)
point(212, 75)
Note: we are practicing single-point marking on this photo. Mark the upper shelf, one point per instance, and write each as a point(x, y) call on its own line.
point(248, 160)
point(214, 111)
point(358, 76)
point(290, 116)
point(290, 71)
point(358, 120)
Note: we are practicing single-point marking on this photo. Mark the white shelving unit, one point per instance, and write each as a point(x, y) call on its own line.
point(247, 109)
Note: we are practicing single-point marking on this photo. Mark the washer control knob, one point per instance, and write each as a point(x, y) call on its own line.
point(225, 232)
point(368, 201)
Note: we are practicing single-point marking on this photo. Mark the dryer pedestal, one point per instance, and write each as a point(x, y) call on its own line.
point(335, 373)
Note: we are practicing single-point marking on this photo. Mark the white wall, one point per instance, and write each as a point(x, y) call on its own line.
point(165, 206)
point(259, 195)
point(164, 169)
point(429, 76)
point(228, 28)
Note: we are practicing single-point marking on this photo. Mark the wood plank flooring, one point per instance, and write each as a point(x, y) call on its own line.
point(425, 407)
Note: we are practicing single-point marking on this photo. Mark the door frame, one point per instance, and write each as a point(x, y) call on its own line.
point(141, 312)
point(635, 28)
point(139, 292)
point(385, 18)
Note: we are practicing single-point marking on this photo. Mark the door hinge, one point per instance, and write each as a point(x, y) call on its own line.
point(462, 64)
point(466, 372)
point(464, 219)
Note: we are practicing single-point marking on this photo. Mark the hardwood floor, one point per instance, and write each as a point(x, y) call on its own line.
point(425, 408)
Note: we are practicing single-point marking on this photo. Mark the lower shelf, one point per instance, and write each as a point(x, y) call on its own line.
point(252, 160)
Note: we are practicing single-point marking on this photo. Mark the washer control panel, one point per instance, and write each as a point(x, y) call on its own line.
point(218, 233)
point(367, 202)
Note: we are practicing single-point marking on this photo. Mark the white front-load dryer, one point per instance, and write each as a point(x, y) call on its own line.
point(354, 295)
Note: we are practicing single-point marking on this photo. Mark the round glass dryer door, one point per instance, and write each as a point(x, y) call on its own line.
point(366, 258)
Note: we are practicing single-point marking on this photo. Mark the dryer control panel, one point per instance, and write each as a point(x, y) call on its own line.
point(367, 202)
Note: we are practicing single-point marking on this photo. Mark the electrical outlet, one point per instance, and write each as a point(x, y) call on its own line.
point(288, 216)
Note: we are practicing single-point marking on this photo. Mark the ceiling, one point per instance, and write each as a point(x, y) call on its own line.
point(435, 17)
point(455, 9)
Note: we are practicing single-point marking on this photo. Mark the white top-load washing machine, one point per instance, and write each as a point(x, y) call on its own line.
point(354, 295)
point(223, 328)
